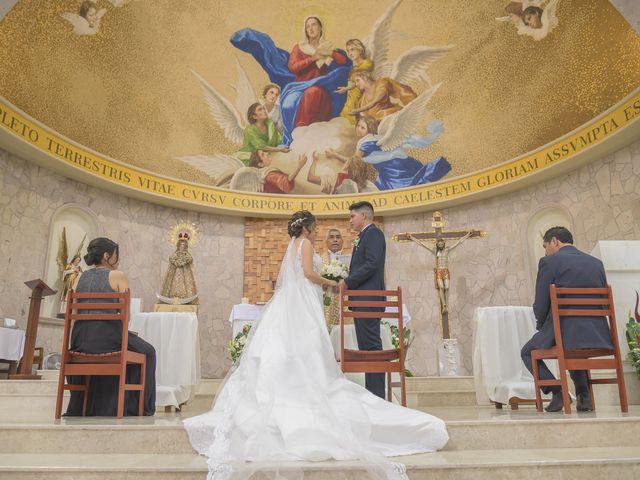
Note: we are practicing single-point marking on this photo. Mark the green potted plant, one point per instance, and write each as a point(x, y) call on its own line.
point(633, 337)
point(408, 338)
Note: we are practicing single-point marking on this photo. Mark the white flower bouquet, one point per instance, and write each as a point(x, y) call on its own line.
point(334, 270)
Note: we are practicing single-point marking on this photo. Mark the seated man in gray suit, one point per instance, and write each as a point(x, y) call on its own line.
point(566, 267)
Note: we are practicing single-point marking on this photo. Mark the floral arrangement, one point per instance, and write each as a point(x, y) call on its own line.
point(237, 344)
point(334, 270)
point(408, 338)
point(633, 337)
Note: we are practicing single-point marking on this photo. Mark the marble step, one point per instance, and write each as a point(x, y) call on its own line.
point(421, 384)
point(49, 374)
point(439, 384)
point(453, 398)
point(598, 463)
point(38, 396)
point(28, 387)
point(472, 431)
point(210, 385)
point(415, 399)
point(41, 407)
point(33, 407)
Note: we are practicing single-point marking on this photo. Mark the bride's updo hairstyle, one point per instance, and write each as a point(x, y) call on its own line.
point(298, 220)
point(97, 248)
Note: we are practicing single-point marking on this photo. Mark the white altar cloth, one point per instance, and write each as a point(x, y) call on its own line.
point(174, 335)
point(11, 343)
point(498, 370)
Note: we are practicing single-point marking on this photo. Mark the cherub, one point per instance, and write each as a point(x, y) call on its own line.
point(375, 100)
point(260, 176)
point(383, 145)
point(357, 53)
point(87, 20)
point(270, 95)
point(257, 131)
point(533, 18)
point(372, 57)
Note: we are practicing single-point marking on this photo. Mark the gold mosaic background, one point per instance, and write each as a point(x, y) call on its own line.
point(128, 92)
point(265, 243)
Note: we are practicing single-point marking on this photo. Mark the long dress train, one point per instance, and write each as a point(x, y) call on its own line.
point(287, 399)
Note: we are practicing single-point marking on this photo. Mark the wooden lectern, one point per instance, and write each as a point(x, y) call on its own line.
point(39, 290)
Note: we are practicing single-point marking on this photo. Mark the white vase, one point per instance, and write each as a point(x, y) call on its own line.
point(449, 358)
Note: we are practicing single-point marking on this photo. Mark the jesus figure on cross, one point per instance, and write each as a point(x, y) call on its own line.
point(442, 277)
point(441, 271)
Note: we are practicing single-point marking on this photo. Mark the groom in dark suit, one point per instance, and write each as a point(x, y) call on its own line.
point(366, 272)
point(566, 267)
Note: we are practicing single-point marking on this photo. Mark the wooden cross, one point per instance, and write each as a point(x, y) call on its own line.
point(438, 232)
point(441, 272)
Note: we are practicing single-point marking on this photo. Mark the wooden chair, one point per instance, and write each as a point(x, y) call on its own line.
point(88, 364)
point(599, 303)
point(377, 361)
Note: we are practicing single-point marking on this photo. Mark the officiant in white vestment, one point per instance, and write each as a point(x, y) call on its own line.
point(287, 400)
point(334, 243)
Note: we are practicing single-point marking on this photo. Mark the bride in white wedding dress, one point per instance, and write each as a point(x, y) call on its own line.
point(287, 400)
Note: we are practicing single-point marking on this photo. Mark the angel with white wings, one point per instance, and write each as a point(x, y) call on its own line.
point(69, 266)
point(534, 18)
point(383, 144)
point(250, 131)
point(87, 20)
point(385, 79)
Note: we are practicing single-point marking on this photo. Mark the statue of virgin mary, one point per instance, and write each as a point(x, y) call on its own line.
point(179, 285)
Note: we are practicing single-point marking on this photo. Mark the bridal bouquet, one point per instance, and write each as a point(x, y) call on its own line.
point(334, 270)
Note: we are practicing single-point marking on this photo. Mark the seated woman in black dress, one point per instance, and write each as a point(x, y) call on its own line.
point(106, 336)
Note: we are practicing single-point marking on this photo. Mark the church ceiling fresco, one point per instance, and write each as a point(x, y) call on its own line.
point(271, 106)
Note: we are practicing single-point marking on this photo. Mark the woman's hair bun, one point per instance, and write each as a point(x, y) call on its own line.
point(97, 248)
point(298, 221)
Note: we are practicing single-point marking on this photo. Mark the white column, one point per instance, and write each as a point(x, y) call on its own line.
point(621, 259)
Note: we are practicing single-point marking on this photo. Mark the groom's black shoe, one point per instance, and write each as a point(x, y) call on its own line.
point(555, 405)
point(585, 403)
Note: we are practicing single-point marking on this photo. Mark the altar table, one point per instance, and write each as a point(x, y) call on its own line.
point(174, 335)
point(11, 343)
point(498, 370)
point(11, 346)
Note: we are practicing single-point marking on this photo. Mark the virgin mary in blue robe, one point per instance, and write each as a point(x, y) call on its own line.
point(275, 62)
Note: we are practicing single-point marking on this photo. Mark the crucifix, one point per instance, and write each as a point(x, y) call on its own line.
point(439, 236)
